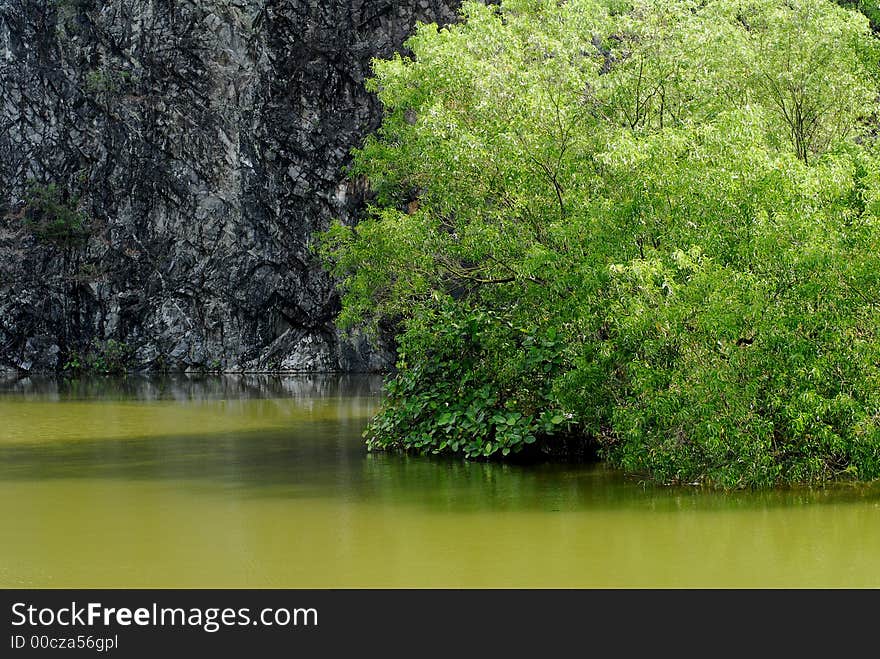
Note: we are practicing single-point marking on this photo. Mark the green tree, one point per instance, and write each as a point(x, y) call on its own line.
point(628, 218)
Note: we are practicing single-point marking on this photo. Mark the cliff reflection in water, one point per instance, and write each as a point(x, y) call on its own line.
point(191, 387)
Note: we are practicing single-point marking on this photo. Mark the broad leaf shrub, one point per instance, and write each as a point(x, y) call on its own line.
point(473, 384)
point(650, 225)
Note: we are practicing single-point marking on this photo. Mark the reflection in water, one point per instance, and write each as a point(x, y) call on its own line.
point(264, 481)
point(191, 387)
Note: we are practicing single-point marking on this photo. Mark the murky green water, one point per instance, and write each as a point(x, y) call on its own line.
point(263, 482)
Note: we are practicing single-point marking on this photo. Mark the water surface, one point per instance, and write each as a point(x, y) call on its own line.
point(259, 481)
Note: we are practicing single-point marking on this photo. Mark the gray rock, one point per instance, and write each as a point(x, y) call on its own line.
point(205, 143)
point(40, 353)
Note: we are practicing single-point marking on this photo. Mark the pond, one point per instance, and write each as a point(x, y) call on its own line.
point(263, 481)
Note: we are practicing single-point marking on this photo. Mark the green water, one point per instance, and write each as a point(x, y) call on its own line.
point(254, 481)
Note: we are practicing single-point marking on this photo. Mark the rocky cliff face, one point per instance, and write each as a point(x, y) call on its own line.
point(163, 167)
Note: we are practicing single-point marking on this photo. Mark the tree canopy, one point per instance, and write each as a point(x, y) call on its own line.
point(646, 226)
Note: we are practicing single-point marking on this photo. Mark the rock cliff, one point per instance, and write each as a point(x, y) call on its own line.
point(164, 165)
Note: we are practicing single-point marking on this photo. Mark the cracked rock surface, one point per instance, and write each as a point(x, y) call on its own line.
point(201, 143)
